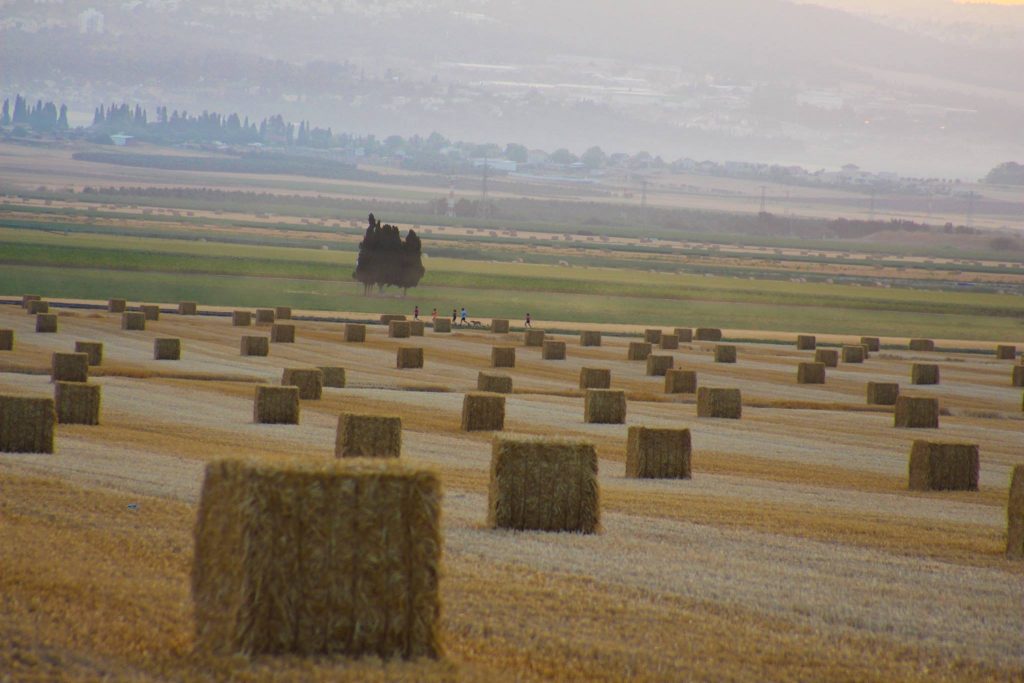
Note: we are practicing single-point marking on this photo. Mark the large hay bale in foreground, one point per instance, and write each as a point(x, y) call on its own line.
point(494, 383)
point(830, 357)
point(410, 357)
point(283, 312)
point(638, 351)
point(255, 346)
point(873, 343)
point(669, 342)
point(595, 378)
point(1006, 352)
point(399, 329)
point(368, 436)
point(26, 298)
point(442, 326)
point(533, 338)
point(77, 403)
point(658, 453)
point(483, 412)
point(590, 338)
point(355, 332)
point(680, 382)
point(318, 558)
point(499, 326)
point(334, 376)
point(69, 367)
point(725, 353)
point(943, 466)
point(707, 334)
point(553, 350)
point(6, 340)
point(604, 406)
point(652, 336)
point(416, 328)
point(36, 307)
point(657, 366)
point(725, 403)
point(276, 405)
point(167, 348)
point(46, 323)
point(241, 318)
point(265, 316)
point(883, 393)
point(685, 334)
point(810, 373)
point(27, 424)
point(1017, 376)
point(915, 412)
point(924, 373)
point(131, 320)
point(503, 357)
point(149, 312)
point(543, 485)
point(282, 333)
point(187, 308)
point(310, 382)
point(806, 342)
point(922, 345)
point(853, 354)
point(1015, 516)
point(116, 305)
point(92, 350)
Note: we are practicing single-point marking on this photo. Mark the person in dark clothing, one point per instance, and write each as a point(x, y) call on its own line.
point(528, 320)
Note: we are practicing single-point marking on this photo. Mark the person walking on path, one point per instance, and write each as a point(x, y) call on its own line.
point(528, 321)
point(434, 315)
point(464, 314)
point(455, 316)
point(416, 313)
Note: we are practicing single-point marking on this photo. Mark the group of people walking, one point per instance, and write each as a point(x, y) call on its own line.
point(459, 316)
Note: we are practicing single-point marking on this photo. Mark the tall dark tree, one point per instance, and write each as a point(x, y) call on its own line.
point(385, 260)
point(5, 116)
point(62, 119)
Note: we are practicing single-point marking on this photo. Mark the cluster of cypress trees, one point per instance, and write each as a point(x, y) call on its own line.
point(386, 260)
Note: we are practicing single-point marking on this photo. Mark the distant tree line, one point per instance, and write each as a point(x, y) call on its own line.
point(42, 116)
point(386, 260)
point(1010, 173)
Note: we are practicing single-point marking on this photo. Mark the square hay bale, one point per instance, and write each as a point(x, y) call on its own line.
point(685, 334)
point(543, 485)
point(924, 373)
point(883, 393)
point(116, 305)
point(255, 346)
point(494, 383)
point(26, 298)
point(915, 412)
point(241, 318)
point(149, 312)
point(943, 466)
point(282, 333)
point(133, 320)
point(680, 382)
point(503, 357)
point(6, 340)
point(1006, 352)
point(725, 353)
point(386, 318)
point(638, 351)
point(442, 326)
point(1016, 378)
point(355, 332)
point(652, 336)
point(94, 350)
point(830, 357)
point(553, 350)
point(867, 351)
point(410, 357)
point(310, 382)
point(483, 412)
point(69, 367)
point(318, 558)
point(36, 307)
point(853, 354)
point(167, 348)
point(595, 378)
point(658, 453)
point(708, 334)
point(46, 322)
point(77, 403)
point(669, 342)
point(276, 405)
point(334, 376)
point(1015, 516)
point(416, 328)
point(806, 342)
point(873, 343)
point(657, 366)
point(27, 424)
point(282, 312)
point(187, 308)
point(265, 316)
point(726, 403)
point(499, 326)
point(590, 338)
point(604, 406)
point(368, 436)
point(810, 373)
point(399, 329)
point(534, 338)
point(922, 345)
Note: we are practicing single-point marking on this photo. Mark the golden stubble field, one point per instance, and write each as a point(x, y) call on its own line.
point(796, 552)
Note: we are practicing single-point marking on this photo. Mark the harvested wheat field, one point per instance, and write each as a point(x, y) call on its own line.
point(795, 552)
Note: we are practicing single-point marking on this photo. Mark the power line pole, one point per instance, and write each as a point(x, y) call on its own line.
point(484, 208)
point(764, 200)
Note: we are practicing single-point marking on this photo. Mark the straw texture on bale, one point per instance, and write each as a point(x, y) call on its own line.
point(416, 328)
point(638, 351)
point(483, 412)
point(726, 403)
point(680, 382)
point(922, 345)
point(499, 326)
point(543, 485)
point(283, 312)
point(399, 329)
point(167, 348)
point(924, 373)
point(355, 332)
point(1016, 378)
point(943, 466)
point(830, 357)
point(595, 378)
point(883, 393)
point(810, 373)
point(669, 342)
point(276, 405)
point(658, 453)
point(604, 406)
point(368, 436)
point(386, 318)
point(494, 383)
point(150, 312)
point(116, 305)
point(6, 340)
point(652, 336)
point(241, 318)
point(36, 307)
point(187, 308)
point(310, 382)
point(553, 350)
point(77, 403)
point(725, 353)
point(685, 334)
point(410, 357)
point(94, 350)
point(282, 333)
point(914, 412)
point(806, 342)
point(334, 376)
point(46, 322)
point(657, 366)
point(265, 316)
point(708, 334)
point(69, 367)
point(1015, 516)
point(1006, 352)
point(318, 558)
point(590, 338)
point(853, 354)
point(873, 343)
point(255, 346)
point(503, 357)
point(534, 338)
point(131, 320)
point(25, 298)
point(27, 424)
point(442, 326)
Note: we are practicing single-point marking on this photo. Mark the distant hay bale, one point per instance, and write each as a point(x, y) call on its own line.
point(116, 305)
point(883, 393)
point(131, 320)
point(553, 350)
point(806, 342)
point(725, 353)
point(6, 340)
point(410, 357)
point(638, 351)
point(276, 405)
point(708, 334)
point(658, 453)
point(810, 373)
point(943, 466)
point(483, 412)
point(167, 348)
point(595, 378)
point(543, 485)
point(604, 406)
point(534, 338)
point(149, 312)
point(368, 436)
point(27, 424)
point(387, 318)
point(1015, 516)
point(265, 316)
point(830, 357)
point(399, 329)
point(494, 383)
point(914, 412)
point(853, 354)
point(46, 323)
point(255, 346)
point(1006, 352)
point(282, 333)
point(669, 342)
point(416, 328)
point(725, 403)
point(187, 308)
point(652, 336)
point(442, 326)
point(922, 345)
point(310, 382)
point(241, 318)
point(26, 298)
point(77, 403)
point(36, 307)
point(873, 343)
point(657, 366)
point(590, 338)
point(924, 373)
point(1016, 378)
point(503, 357)
point(283, 312)
point(680, 382)
point(355, 332)
point(685, 334)
point(334, 376)
point(318, 558)
point(499, 326)
point(69, 367)
point(867, 351)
